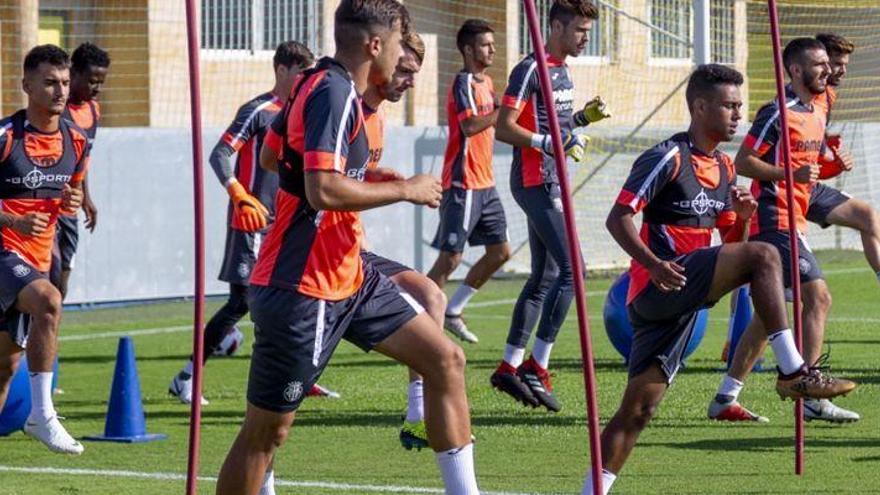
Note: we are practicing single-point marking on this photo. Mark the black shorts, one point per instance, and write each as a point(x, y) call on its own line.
point(383, 265)
point(475, 216)
point(240, 256)
point(15, 274)
point(823, 200)
point(295, 335)
point(807, 264)
point(67, 236)
point(663, 322)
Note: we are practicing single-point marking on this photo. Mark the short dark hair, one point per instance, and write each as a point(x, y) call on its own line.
point(836, 44)
point(88, 55)
point(706, 78)
point(796, 49)
point(367, 16)
point(293, 53)
point(49, 54)
point(566, 10)
point(468, 32)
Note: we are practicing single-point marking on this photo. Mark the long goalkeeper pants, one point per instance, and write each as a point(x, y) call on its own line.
point(549, 290)
point(225, 318)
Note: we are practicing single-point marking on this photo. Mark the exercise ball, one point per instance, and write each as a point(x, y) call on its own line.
point(619, 330)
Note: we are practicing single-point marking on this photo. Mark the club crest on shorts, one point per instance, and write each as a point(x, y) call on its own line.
point(21, 270)
point(804, 266)
point(244, 270)
point(293, 391)
point(453, 239)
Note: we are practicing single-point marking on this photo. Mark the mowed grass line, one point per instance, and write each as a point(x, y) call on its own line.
point(354, 440)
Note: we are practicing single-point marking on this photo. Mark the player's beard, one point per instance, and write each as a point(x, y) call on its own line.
point(814, 84)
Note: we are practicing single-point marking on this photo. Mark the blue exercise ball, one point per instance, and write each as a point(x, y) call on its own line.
point(18, 402)
point(619, 330)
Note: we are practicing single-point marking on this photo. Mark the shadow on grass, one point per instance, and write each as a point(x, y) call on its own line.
point(766, 444)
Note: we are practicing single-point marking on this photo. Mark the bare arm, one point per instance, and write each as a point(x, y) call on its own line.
point(478, 123)
point(334, 191)
point(622, 228)
point(268, 159)
point(749, 164)
point(509, 131)
point(666, 275)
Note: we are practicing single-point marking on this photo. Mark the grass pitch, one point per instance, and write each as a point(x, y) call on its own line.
point(350, 445)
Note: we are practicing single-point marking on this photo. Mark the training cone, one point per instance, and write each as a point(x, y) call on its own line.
point(14, 413)
point(125, 414)
point(739, 320)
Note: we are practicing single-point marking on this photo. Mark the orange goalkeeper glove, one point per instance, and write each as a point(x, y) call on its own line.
point(248, 214)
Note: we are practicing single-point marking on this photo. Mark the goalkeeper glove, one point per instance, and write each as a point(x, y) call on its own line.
point(248, 214)
point(574, 145)
point(593, 111)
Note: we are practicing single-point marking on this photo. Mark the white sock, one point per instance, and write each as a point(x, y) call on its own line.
point(415, 403)
point(268, 487)
point(457, 470)
point(730, 387)
point(788, 358)
point(607, 480)
point(41, 396)
point(514, 355)
point(541, 352)
point(188, 368)
point(459, 300)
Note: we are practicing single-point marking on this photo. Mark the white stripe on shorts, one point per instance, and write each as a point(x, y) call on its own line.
point(412, 302)
point(319, 333)
point(468, 203)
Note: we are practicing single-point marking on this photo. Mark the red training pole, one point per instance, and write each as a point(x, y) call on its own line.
point(792, 227)
point(195, 422)
point(573, 248)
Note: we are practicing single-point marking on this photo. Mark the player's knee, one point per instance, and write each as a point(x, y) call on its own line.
point(450, 363)
point(501, 254)
point(643, 413)
point(48, 307)
point(435, 301)
point(764, 255)
point(819, 299)
point(870, 219)
point(266, 436)
point(451, 260)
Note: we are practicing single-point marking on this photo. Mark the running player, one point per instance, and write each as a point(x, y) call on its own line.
point(413, 433)
point(310, 286)
point(522, 122)
point(685, 188)
point(87, 74)
point(471, 210)
point(251, 204)
point(806, 61)
point(43, 161)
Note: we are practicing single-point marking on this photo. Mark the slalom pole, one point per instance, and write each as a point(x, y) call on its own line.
point(573, 248)
point(199, 221)
point(792, 226)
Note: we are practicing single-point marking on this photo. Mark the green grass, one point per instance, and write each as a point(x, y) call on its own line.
point(354, 440)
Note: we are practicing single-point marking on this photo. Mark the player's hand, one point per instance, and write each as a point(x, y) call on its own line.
point(593, 111)
point(31, 224)
point(424, 189)
point(574, 145)
point(383, 174)
point(71, 199)
point(91, 213)
point(668, 276)
point(842, 157)
point(807, 174)
point(249, 215)
point(743, 203)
